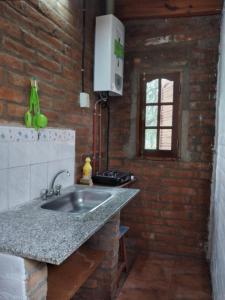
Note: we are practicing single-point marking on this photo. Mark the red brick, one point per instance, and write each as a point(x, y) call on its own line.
point(77, 118)
point(38, 72)
point(48, 64)
point(17, 17)
point(52, 115)
point(1, 107)
point(14, 110)
point(1, 74)
point(7, 93)
point(69, 84)
point(50, 40)
point(28, 16)
point(19, 49)
point(10, 28)
point(18, 80)
point(47, 102)
point(36, 43)
point(60, 105)
point(51, 90)
point(11, 62)
point(71, 74)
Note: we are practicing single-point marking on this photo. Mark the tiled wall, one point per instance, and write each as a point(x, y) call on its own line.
point(29, 160)
point(218, 196)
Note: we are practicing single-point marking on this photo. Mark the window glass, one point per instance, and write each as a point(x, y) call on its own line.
point(166, 115)
point(151, 115)
point(165, 139)
point(150, 139)
point(166, 90)
point(152, 90)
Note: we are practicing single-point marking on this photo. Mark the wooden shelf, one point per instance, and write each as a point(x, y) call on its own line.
point(65, 280)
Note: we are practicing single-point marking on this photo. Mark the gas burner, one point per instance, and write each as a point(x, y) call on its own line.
point(112, 177)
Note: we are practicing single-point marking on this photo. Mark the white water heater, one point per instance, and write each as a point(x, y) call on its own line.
point(109, 55)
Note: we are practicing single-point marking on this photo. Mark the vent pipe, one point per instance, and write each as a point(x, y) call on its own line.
point(110, 5)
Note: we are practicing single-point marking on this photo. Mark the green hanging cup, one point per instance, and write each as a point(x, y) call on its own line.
point(28, 115)
point(33, 117)
point(39, 119)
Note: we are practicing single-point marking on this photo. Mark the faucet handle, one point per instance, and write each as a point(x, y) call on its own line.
point(57, 190)
point(44, 194)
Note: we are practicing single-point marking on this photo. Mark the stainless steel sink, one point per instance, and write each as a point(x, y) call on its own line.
point(78, 202)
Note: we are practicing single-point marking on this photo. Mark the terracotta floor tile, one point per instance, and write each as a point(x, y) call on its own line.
point(138, 294)
point(163, 277)
point(182, 294)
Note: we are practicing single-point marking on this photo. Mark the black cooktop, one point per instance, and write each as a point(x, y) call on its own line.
point(112, 177)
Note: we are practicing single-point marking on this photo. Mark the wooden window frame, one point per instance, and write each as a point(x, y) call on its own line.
point(173, 153)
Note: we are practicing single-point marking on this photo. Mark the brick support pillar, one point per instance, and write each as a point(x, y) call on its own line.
point(36, 279)
point(102, 283)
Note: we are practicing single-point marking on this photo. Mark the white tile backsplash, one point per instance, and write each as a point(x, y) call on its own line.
point(17, 134)
point(39, 179)
point(29, 159)
point(39, 152)
point(19, 185)
point(19, 154)
point(4, 155)
point(3, 189)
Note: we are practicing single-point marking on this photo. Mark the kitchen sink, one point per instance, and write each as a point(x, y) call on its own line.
point(78, 202)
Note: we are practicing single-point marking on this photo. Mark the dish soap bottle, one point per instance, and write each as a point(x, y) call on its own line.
point(87, 172)
point(87, 169)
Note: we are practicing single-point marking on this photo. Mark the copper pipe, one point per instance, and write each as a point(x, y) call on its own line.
point(100, 139)
point(94, 135)
point(94, 143)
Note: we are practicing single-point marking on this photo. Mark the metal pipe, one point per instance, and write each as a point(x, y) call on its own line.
point(83, 44)
point(100, 139)
point(94, 134)
point(110, 5)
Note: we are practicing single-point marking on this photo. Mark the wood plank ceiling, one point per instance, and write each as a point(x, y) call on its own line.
point(134, 9)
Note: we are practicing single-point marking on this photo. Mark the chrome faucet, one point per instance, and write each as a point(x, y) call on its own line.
point(53, 190)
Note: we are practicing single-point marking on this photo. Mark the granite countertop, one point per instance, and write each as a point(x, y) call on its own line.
point(52, 236)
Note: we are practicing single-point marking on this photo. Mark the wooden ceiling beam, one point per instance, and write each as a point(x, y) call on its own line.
point(135, 9)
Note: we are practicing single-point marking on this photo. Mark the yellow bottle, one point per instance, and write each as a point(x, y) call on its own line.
point(87, 169)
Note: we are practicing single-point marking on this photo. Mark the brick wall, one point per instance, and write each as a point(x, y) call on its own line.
point(43, 39)
point(217, 223)
point(171, 212)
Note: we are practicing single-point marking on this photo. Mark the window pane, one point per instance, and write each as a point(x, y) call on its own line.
point(150, 139)
point(165, 139)
point(166, 115)
point(166, 90)
point(151, 115)
point(152, 90)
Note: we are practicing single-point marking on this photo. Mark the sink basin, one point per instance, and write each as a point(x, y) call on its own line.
point(78, 202)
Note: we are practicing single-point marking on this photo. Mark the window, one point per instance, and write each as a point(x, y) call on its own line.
point(159, 115)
